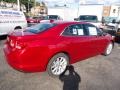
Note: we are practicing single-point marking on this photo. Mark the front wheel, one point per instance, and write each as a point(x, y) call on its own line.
point(57, 64)
point(108, 49)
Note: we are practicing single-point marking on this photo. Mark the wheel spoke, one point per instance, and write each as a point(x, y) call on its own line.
point(54, 70)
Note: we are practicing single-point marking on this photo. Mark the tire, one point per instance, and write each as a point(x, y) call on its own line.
point(57, 64)
point(108, 50)
point(18, 27)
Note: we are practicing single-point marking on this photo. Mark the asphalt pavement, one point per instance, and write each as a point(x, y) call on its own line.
point(96, 73)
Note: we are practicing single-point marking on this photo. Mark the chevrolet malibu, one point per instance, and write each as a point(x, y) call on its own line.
point(53, 46)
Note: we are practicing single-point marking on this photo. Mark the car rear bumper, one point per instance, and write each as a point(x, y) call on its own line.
point(16, 60)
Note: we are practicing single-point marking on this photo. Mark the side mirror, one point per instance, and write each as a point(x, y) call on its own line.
point(104, 33)
point(100, 34)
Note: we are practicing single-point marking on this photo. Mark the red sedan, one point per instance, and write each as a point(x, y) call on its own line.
point(52, 46)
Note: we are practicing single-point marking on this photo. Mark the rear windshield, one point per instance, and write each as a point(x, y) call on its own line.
point(35, 17)
point(88, 18)
point(52, 16)
point(40, 27)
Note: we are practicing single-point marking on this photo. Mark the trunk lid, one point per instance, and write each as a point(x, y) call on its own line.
point(20, 37)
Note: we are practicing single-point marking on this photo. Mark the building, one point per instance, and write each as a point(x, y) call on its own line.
point(39, 10)
point(115, 11)
point(12, 6)
point(106, 11)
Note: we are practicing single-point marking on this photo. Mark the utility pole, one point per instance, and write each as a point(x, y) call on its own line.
point(18, 5)
point(28, 5)
point(34, 3)
point(119, 12)
point(34, 6)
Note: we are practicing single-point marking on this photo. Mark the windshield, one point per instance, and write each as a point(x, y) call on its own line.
point(40, 27)
point(35, 17)
point(88, 18)
point(109, 19)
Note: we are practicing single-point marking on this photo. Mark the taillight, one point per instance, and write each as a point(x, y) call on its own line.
point(12, 43)
point(19, 45)
point(16, 44)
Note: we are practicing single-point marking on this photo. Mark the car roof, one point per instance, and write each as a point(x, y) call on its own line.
point(87, 15)
point(68, 22)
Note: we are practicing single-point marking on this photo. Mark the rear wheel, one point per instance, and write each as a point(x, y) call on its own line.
point(108, 49)
point(57, 64)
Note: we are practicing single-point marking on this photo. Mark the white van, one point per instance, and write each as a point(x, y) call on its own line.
point(11, 20)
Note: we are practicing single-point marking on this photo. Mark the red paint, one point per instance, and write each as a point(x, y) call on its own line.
point(37, 49)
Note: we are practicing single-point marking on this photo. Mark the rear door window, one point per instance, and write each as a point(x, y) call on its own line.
point(74, 30)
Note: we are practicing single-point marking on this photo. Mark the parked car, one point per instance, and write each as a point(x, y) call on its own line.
point(35, 19)
point(87, 18)
point(114, 25)
point(11, 20)
point(113, 28)
point(53, 46)
point(51, 18)
point(93, 19)
point(54, 17)
point(31, 20)
point(39, 18)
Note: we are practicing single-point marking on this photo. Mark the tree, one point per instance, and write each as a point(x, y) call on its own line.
point(24, 2)
point(9, 1)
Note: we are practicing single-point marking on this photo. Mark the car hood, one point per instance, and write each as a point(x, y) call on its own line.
point(111, 24)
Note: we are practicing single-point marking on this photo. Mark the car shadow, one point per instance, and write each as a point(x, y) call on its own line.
point(70, 79)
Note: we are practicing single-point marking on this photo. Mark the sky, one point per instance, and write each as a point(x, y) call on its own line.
point(62, 2)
